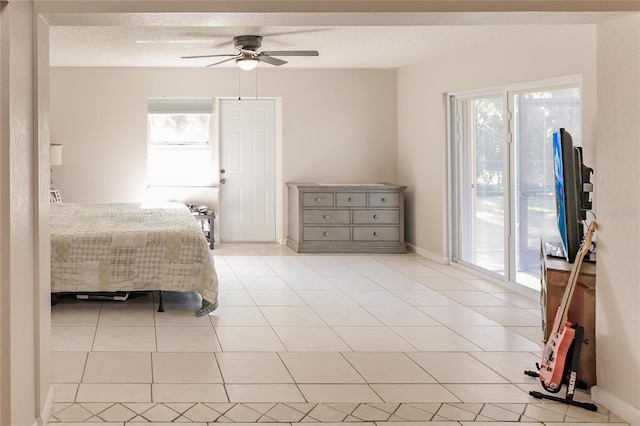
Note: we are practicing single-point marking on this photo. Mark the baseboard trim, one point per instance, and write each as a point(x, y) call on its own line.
point(623, 410)
point(46, 410)
point(424, 253)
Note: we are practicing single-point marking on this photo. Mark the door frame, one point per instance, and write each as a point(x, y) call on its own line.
point(277, 161)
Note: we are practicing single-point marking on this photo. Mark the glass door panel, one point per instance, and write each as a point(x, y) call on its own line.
point(481, 239)
point(536, 116)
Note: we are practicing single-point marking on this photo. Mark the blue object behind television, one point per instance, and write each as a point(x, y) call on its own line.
point(572, 187)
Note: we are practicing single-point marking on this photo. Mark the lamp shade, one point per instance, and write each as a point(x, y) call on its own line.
point(55, 153)
point(247, 63)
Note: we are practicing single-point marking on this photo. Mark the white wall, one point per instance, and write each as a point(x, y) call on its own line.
point(537, 53)
point(618, 208)
point(337, 125)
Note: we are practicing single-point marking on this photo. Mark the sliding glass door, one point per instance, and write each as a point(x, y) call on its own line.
point(504, 201)
point(482, 195)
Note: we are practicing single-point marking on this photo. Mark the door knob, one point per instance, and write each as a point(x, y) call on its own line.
point(223, 181)
point(223, 171)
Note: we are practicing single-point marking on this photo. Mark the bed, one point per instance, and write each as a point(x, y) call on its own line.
point(130, 247)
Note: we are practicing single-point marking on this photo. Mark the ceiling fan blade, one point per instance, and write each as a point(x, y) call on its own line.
point(271, 60)
point(226, 60)
point(291, 53)
point(207, 56)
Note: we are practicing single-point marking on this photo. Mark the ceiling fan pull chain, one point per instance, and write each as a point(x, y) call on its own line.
point(239, 98)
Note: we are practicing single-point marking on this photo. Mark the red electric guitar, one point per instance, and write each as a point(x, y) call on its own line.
point(563, 333)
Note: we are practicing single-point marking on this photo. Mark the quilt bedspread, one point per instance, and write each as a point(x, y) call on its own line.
point(129, 247)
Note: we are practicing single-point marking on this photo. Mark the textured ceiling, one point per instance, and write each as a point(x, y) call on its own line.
point(345, 41)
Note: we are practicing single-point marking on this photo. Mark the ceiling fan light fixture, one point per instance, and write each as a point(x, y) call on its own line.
point(248, 55)
point(247, 63)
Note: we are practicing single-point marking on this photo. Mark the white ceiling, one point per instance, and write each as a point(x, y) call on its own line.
point(344, 41)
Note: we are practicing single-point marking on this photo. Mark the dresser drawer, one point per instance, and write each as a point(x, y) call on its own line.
point(384, 199)
point(326, 233)
point(325, 216)
point(351, 199)
point(317, 199)
point(374, 233)
point(376, 216)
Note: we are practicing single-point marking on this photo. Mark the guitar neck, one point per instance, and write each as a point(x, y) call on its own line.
point(563, 310)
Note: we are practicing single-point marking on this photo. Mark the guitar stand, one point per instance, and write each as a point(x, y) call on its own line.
point(572, 373)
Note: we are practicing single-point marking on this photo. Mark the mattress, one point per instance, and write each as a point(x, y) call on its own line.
point(130, 247)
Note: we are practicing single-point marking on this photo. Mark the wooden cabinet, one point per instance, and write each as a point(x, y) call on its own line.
point(582, 308)
point(346, 218)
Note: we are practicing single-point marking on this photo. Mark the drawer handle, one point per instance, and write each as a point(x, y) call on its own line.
point(375, 216)
point(326, 233)
point(318, 199)
point(326, 216)
point(375, 234)
point(350, 199)
point(384, 200)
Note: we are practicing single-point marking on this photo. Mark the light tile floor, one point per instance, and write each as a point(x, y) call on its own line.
point(309, 338)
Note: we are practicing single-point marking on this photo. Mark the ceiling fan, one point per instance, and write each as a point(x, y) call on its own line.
point(248, 56)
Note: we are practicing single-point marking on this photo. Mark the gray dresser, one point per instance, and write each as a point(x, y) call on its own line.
point(346, 218)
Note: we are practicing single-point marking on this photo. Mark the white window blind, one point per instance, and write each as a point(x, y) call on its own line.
point(182, 122)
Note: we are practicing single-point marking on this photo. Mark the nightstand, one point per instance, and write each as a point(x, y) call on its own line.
point(206, 223)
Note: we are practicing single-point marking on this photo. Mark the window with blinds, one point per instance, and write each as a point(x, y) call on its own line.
point(180, 149)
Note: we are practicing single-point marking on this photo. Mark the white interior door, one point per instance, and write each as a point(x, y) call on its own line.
point(247, 170)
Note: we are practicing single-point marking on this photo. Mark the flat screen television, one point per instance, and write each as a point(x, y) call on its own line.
point(572, 188)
